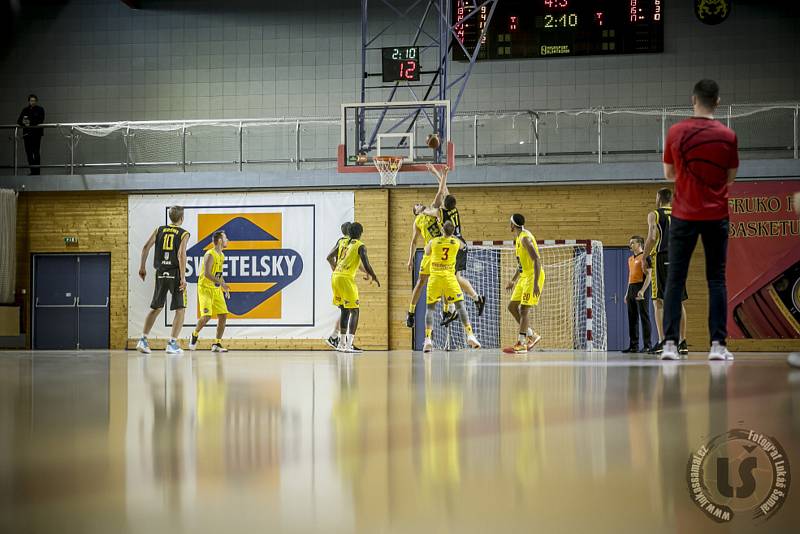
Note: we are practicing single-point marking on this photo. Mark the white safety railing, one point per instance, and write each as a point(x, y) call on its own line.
point(481, 137)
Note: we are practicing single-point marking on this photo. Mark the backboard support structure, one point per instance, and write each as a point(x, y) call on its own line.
point(401, 129)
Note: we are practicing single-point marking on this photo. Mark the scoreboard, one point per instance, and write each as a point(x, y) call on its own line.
point(556, 28)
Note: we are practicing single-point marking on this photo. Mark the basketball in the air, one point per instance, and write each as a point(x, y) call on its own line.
point(433, 141)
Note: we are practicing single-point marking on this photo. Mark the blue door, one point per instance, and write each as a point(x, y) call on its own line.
point(71, 301)
point(55, 302)
point(615, 264)
point(418, 335)
point(93, 299)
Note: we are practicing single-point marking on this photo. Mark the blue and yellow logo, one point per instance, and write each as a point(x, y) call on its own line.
point(256, 266)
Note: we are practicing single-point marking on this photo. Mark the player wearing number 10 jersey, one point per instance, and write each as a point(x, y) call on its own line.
point(170, 265)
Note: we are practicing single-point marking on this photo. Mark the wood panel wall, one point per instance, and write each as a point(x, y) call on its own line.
point(609, 213)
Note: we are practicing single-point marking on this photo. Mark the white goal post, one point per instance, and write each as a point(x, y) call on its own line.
point(571, 313)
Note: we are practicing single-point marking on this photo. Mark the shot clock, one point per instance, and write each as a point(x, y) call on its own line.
point(557, 28)
point(400, 64)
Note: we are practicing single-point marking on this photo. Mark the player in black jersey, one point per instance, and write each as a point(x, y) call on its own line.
point(449, 212)
point(170, 265)
point(656, 249)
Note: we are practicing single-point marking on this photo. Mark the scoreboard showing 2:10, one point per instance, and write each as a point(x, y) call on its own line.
point(554, 28)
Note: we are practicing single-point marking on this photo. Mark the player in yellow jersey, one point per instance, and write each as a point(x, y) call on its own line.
point(527, 283)
point(212, 292)
point(343, 283)
point(426, 226)
point(337, 250)
point(443, 284)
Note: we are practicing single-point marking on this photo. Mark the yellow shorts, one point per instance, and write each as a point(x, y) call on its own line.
point(523, 291)
point(345, 291)
point(443, 286)
point(425, 266)
point(212, 301)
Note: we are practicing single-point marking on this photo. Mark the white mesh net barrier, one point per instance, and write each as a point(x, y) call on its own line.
point(561, 317)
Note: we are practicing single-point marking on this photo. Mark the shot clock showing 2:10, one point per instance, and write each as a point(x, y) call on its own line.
point(400, 64)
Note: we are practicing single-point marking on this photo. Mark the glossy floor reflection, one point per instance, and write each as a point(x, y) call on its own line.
point(379, 442)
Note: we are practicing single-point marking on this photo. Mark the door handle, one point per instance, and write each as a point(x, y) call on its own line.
point(74, 303)
point(91, 305)
point(615, 298)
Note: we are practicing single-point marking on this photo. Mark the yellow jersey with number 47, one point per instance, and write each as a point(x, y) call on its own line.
point(523, 258)
point(428, 226)
point(443, 255)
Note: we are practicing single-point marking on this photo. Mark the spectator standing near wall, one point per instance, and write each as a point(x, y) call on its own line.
point(701, 157)
point(32, 115)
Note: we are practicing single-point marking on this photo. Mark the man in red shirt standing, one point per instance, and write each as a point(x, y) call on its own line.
point(701, 157)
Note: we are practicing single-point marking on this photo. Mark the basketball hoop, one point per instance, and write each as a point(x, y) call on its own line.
point(388, 167)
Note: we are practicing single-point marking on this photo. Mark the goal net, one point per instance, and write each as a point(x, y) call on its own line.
point(571, 313)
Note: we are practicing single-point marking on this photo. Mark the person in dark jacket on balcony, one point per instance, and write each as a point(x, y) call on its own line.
point(32, 115)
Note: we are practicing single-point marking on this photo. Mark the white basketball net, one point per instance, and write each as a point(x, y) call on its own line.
point(388, 167)
point(561, 316)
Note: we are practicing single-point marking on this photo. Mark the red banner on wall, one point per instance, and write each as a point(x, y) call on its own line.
point(763, 270)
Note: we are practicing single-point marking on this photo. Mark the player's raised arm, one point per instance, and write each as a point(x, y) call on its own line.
point(362, 253)
point(652, 228)
point(413, 246)
point(145, 251)
point(537, 264)
point(441, 192)
point(182, 259)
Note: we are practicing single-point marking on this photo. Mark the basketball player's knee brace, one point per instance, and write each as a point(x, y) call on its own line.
point(430, 313)
point(462, 312)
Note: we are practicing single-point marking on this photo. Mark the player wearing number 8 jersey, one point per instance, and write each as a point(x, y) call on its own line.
point(442, 284)
point(527, 283)
point(169, 262)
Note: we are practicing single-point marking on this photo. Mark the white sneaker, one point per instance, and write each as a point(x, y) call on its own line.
point(472, 341)
point(670, 351)
point(173, 348)
point(217, 347)
point(143, 346)
point(719, 352)
point(428, 345)
point(341, 347)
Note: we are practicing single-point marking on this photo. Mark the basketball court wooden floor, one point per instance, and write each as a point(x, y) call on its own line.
point(99, 442)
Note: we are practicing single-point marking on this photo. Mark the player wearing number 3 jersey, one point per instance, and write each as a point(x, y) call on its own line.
point(170, 270)
point(443, 284)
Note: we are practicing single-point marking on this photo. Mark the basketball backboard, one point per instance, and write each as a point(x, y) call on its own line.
point(394, 129)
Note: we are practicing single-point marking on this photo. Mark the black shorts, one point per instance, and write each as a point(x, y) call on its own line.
point(660, 277)
point(168, 281)
point(461, 260)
